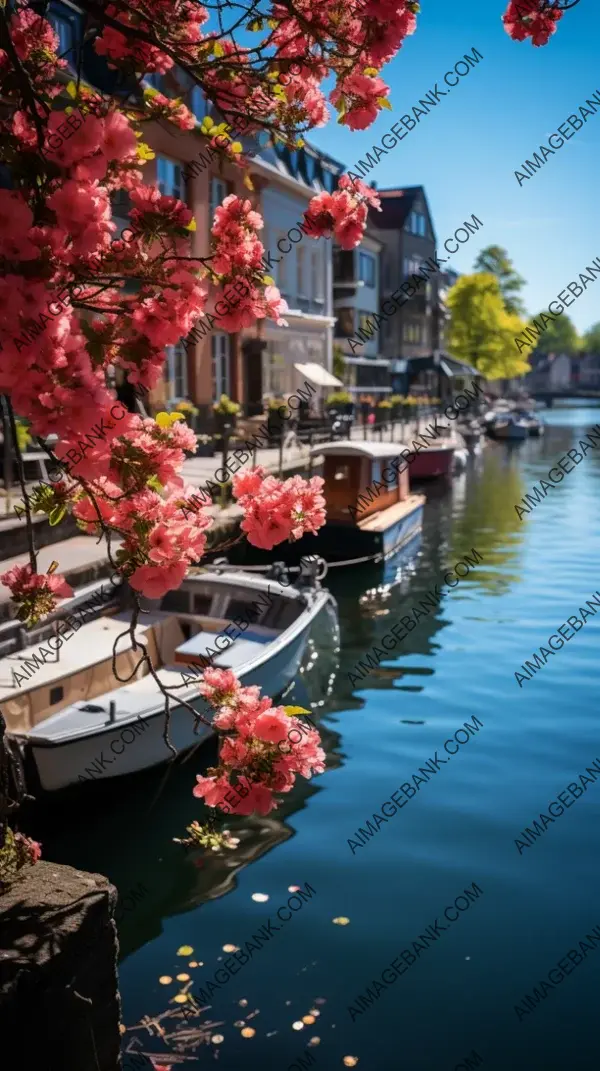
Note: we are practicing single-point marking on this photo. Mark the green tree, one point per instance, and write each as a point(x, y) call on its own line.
point(339, 365)
point(590, 342)
point(496, 261)
point(481, 331)
point(559, 336)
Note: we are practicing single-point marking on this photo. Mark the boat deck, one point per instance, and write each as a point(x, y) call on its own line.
point(378, 522)
point(89, 646)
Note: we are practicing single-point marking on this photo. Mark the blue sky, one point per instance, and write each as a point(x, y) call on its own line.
point(466, 150)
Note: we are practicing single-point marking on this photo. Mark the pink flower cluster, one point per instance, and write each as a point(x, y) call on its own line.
point(342, 214)
point(274, 510)
point(531, 18)
point(257, 757)
point(238, 255)
point(34, 594)
point(360, 97)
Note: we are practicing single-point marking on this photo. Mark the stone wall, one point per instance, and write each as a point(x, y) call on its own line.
point(59, 1002)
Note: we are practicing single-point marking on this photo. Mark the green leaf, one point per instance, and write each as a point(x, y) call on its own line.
point(56, 515)
point(293, 712)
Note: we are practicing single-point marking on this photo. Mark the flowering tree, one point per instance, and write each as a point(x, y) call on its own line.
point(76, 300)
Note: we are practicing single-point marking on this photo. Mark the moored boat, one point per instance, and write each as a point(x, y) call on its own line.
point(370, 509)
point(79, 721)
point(534, 425)
point(510, 428)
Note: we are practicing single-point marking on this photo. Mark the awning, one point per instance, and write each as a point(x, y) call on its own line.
point(451, 367)
point(318, 375)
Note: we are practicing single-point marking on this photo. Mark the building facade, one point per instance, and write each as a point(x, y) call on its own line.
point(356, 301)
point(405, 229)
point(300, 266)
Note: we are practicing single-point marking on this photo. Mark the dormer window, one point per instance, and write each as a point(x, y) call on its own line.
point(330, 181)
point(309, 167)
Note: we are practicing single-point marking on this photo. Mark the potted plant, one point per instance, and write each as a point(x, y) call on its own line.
point(397, 403)
point(189, 411)
point(206, 446)
point(384, 411)
point(276, 419)
point(340, 401)
point(225, 412)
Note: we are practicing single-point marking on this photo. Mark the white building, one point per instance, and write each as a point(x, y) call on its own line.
point(300, 265)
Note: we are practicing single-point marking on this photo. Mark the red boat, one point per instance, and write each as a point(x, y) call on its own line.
point(433, 461)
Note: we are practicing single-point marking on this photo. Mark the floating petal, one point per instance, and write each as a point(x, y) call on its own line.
point(260, 897)
point(248, 1032)
point(165, 979)
point(185, 950)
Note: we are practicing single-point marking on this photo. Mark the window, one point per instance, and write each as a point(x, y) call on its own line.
point(65, 28)
point(345, 323)
point(329, 180)
point(220, 364)
point(366, 268)
point(316, 271)
point(283, 279)
point(198, 103)
point(412, 332)
point(176, 371)
point(309, 167)
point(56, 695)
point(157, 81)
point(366, 320)
point(411, 266)
point(169, 178)
point(301, 271)
point(416, 224)
point(218, 193)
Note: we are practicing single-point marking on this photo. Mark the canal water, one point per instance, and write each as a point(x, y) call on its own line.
point(482, 986)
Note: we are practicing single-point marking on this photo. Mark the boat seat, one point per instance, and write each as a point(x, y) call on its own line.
point(194, 651)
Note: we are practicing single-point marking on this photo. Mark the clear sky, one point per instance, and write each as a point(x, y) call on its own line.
point(465, 152)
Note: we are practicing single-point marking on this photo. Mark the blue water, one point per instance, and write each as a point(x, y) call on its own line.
point(458, 997)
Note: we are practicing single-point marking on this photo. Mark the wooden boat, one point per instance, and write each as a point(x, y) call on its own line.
point(370, 509)
point(78, 722)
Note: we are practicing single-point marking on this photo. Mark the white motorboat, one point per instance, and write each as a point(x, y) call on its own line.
point(78, 722)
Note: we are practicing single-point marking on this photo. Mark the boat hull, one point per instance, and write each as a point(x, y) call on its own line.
point(431, 463)
point(341, 541)
point(140, 744)
point(511, 433)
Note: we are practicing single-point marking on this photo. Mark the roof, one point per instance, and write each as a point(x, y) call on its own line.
point(396, 206)
point(347, 448)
